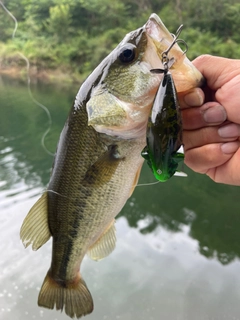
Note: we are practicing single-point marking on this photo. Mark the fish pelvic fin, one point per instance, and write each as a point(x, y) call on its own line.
point(105, 244)
point(35, 229)
point(71, 296)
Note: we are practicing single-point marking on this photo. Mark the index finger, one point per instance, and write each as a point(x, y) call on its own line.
point(223, 78)
point(217, 70)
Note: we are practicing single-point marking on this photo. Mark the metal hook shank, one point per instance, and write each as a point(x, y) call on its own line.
point(175, 40)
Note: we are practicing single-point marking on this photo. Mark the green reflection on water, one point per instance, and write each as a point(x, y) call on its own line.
point(23, 123)
point(210, 210)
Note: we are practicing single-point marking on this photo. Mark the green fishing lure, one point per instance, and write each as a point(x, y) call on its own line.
point(164, 130)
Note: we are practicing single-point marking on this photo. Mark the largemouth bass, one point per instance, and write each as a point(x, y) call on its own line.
point(98, 162)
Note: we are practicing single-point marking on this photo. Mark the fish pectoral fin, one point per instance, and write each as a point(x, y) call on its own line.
point(35, 229)
point(104, 245)
point(102, 171)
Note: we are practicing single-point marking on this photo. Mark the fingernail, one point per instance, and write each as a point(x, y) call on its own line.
point(216, 114)
point(194, 98)
point(230, 147)
point(229, 131)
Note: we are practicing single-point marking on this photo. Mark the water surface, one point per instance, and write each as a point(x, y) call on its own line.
point(178, 248)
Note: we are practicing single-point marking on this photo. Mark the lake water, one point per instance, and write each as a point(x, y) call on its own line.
point(178, 248)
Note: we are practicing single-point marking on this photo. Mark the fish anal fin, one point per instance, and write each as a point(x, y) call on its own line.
point(135, 182)
point(104, 245)
point(71, 296)
point(35, 229)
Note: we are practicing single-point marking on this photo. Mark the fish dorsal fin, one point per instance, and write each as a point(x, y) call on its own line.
point(35, 229)
point(104, 245)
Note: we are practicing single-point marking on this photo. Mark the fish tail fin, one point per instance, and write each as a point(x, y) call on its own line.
point(72, 296)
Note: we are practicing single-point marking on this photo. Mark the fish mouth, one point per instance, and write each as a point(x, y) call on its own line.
point(186, 76)
point(156, 29)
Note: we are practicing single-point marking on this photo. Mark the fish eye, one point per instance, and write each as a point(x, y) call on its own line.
point(128, 53)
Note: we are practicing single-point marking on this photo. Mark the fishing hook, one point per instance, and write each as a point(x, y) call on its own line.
point(167, 63)
point(165, 59)
point(175, 40)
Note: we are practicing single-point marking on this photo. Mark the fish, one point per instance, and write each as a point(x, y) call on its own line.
point(164, 130)
point(97, 165)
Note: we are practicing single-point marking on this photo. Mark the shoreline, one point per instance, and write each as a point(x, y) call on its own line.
point(44, 75)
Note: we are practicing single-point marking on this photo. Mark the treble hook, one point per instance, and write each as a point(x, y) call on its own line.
point(165, 58)
point(167, 63)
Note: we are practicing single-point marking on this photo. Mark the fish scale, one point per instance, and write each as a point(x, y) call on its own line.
point(85, 220)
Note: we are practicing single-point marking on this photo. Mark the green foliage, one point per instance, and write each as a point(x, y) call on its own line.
point(59, 21)
point(75, 35)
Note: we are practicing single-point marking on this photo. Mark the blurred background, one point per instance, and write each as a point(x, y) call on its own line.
point(178, 248)
point(72, 36)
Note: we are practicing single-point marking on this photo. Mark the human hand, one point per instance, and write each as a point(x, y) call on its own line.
point(211, 121)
